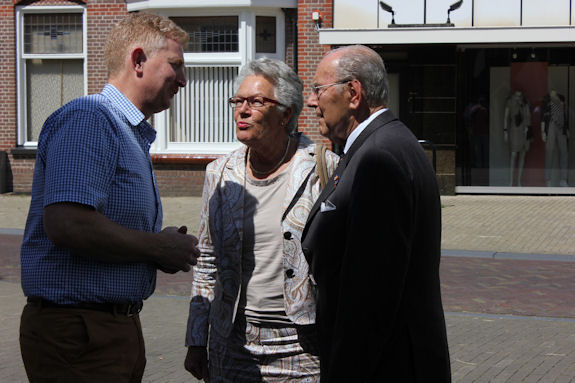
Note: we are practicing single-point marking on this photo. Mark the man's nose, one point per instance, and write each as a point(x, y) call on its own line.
point(181, 79)
point(312, 100)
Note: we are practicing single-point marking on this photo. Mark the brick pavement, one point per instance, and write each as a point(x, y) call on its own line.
point(514, 287)
point(477, 285)
point(484, 348)
point(507, 320)
point(510, 349)
point(513, 224)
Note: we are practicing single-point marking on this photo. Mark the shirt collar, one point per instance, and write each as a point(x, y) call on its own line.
point(360, 128)
point(124, 105)
point(134, 116)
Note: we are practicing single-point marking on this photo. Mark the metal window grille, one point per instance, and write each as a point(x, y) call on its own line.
point(210, 34)
point(53, 33)
point(200, 112)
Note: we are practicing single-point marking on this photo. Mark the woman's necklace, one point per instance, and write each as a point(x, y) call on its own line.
point(275, 167)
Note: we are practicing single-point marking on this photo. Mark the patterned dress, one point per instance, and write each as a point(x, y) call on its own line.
point(241, 351)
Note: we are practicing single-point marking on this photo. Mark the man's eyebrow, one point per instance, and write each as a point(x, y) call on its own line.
point(176, 60)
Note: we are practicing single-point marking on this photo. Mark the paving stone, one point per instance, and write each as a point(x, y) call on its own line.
point(508, 320)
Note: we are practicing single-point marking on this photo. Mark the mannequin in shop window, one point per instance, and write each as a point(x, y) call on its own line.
point(479, 130)
point(516, 131)
point(554, 132)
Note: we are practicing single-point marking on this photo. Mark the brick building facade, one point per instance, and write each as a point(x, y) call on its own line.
point(439, 71)
point(101, 16)
point(177, 173)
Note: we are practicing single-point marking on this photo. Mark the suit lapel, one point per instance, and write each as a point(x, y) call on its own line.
point(381, 120)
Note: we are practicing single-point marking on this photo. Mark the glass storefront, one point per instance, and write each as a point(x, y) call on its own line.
point(516, 117)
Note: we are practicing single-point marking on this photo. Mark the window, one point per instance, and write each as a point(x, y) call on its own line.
point(200, 120)
point(53, 33)
point(517, 110)
point(200, 112)
point(265, 34)
point(210, 34)
point(51, 64)
point(49, 85)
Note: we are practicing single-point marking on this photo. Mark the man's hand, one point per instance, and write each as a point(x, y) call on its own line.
point(197, 362)
point(177, 250)
point(89, 233)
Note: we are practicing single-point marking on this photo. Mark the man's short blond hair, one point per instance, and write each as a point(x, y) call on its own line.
point(139, 29)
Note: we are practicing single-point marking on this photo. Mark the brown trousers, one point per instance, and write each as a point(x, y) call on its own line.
point(75, 345)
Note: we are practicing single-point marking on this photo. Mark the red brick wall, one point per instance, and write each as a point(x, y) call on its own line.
point(290, 41)
point(7, 76)
point(22, 172)
point(180, 179)
point(309, 54)
point(8, 115)
point(102, 16)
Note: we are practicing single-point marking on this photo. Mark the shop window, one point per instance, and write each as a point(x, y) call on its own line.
point(51, 70)
point(517, 117)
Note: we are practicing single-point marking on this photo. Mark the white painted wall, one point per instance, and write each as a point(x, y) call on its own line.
point(548, 12)
point(491, 13)
point(356, 14)
point(366, 14)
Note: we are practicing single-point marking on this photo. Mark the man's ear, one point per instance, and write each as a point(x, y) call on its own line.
point(355, 91)
point(138, 58)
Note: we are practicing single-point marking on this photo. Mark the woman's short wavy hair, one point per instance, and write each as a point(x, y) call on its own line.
point(288, 87)
point(364, 64)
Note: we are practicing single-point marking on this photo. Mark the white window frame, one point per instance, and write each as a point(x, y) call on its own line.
point(246, 52)
point(22, 57)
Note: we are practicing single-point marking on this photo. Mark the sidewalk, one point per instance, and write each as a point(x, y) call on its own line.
point(505, 224)
point(507, 280)
point(509, 224)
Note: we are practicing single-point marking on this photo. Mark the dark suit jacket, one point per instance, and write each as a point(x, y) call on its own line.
point(375, 259)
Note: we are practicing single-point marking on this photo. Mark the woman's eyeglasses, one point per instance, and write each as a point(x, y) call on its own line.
point(253, 101)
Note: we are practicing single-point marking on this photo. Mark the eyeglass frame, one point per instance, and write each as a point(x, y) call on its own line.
point(236, 104)
point(317, 88)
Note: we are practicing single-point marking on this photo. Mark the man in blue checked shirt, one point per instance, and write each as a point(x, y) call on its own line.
point(93, 239)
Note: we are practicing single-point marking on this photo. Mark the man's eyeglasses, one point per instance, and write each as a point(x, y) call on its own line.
point(316, 89)
point(253, 101)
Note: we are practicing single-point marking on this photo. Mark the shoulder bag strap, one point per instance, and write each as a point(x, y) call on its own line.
point(321, 166)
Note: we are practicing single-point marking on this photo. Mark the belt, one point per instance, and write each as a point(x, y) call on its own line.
point(127, 309)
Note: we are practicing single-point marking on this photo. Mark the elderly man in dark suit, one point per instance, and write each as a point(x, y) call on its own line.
point(373, 237)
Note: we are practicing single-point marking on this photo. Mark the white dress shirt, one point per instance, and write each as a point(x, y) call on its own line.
point(360, 128)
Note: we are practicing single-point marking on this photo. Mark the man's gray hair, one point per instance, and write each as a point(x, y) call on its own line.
point(364, 64)
point(288, 88)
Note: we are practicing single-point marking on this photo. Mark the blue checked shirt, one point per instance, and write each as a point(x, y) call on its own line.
point(93, 151)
